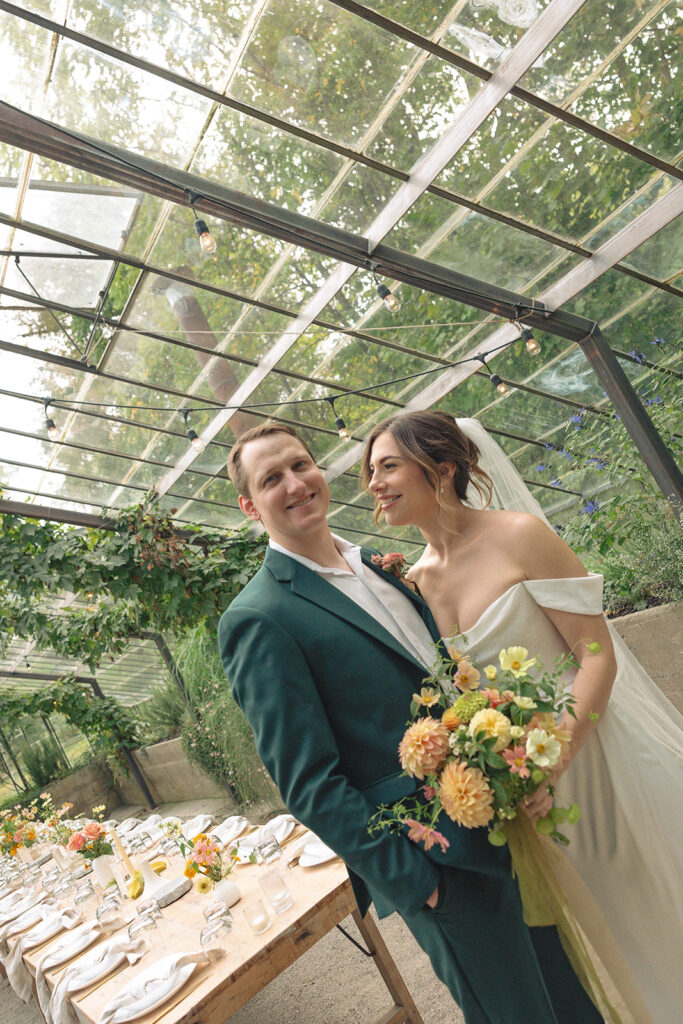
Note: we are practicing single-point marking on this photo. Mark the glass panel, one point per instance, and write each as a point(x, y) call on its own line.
point(24, 55)
point(73, 282)
point(321, 68)
point(122, 105)
point(567, 182)
point(590, 38)
point(661, 256)
point(198, 43)
point(423, 17)
point(633, 98)
point(486, 30)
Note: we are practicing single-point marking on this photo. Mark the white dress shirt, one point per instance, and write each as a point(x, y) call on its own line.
point(376, 596)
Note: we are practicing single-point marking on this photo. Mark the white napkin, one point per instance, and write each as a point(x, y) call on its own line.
point(80, 974)
point(90, 930)
point(17, 973)
point(200, 823)
point(26, 901)
point(230, 828)
point(24, 921)
point(279, 827)
point(136, 995)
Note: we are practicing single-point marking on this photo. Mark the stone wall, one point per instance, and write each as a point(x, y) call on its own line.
point(86, 788)
point(655, 636)
point(169, 775)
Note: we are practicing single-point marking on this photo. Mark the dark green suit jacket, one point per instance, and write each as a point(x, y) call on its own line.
point(327, 691)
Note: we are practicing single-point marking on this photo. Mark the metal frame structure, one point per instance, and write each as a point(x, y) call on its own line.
point(220, 357)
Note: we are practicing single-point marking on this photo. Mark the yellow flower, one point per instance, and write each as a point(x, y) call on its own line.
point(514, 660)
point(450, 719)
point(516, 731)
point(467, 676)
point(490, 673)
point(189, 871)
point(203, 885)
point(426, 697)
point(455, 653)
point(543, 748)
point(525, 703)
point(493, 724)
point(423, 747)
point(465, 795)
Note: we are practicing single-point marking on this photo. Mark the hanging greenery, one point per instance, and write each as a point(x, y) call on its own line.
point(144, 575)
point(99, 718)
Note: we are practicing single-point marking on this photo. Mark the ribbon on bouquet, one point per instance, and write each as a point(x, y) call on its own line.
point(553, 893)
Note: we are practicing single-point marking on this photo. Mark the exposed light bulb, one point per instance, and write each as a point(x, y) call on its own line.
point(341, 427)
point(206, 239)
point(499, 384)
point(52, 431)
point(532, 346)
point(195, 440)
point(388, 298)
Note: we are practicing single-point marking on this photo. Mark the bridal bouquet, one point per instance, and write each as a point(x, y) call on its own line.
point(480, 751)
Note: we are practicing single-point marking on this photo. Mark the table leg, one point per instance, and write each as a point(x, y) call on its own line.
point(404, 1011)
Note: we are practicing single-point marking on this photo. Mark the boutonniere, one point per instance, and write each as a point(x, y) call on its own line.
point(395, 564)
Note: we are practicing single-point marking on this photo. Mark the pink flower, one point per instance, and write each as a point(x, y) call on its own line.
point(516, 758)
point(494, 696)
point(424, 834)
point(93, 831)
point(76, 842)
point(429, 792)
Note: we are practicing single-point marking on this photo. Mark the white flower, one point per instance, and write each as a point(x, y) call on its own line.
point(542, 748)
point(516, 731)
point(525, 703)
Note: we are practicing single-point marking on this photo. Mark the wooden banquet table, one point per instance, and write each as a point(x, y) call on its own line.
point(214, 992)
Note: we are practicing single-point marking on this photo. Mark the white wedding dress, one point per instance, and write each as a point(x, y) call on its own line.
point(627, 779)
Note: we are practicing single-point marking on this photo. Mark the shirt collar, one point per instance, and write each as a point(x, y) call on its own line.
point(351, 553)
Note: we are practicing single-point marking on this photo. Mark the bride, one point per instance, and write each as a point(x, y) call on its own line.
point(502, 577)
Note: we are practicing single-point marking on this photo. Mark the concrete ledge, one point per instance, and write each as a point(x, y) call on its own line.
point(85, 788)
point(170, 776)
point(655, 636)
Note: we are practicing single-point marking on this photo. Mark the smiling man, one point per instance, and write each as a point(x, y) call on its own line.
point(323, 651)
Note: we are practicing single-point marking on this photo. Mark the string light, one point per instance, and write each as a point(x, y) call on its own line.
point(52, 431)
point(206, 239)
point(532, 346)
point(499, 384)
point(385, 294)
point(338, 421)
point(192, 435)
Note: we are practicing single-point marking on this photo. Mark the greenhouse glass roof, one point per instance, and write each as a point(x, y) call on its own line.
point(468, 152)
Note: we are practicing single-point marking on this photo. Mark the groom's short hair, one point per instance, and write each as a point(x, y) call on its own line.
point(236, 470)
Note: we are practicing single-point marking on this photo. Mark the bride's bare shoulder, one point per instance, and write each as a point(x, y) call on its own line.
point(517, 525)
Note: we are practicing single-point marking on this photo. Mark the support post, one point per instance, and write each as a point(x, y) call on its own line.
point(14, 760)
point(52, 732)
point(648, 441)
point(130, 759)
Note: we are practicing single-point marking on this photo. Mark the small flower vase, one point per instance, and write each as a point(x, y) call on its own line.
point(228, 891)
point(101, 867)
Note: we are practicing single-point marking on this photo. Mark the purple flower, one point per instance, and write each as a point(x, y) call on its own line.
point(540, 467)
point(549, 447)
point(590, 507)
point(638, 356)
point(566, 455)
point(658, 341)
point(555, 482)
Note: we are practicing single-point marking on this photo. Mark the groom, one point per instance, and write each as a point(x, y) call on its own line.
point(323, 652)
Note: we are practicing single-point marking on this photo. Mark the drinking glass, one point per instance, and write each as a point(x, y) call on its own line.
point(276, 891)
point(63, 887)
point(83, 893)
point(268, 850)
point(216, 908)
point(215, 935)
point(141, 924)
point(257, 916)
point(149, 906)
point(107, 911)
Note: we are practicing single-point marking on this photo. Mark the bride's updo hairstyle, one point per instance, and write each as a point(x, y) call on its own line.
point(431, 438)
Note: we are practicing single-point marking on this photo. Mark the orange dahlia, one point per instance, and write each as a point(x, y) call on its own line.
point(465, 795)
point(423, 747)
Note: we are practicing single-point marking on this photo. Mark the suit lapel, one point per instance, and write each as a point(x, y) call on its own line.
point(418, 601)
point(311, 587)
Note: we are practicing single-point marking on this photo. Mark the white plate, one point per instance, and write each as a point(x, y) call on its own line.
point(43, 931)
point(150, 989)
point(75, 941)
point(316, 852)
point(94, 965)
